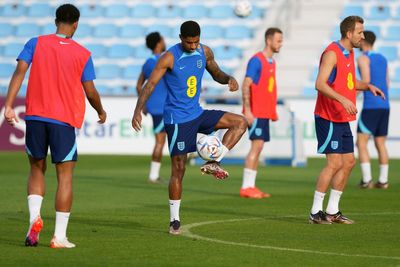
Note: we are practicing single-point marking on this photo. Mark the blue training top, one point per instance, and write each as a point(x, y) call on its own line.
point(155, 103)
point(378, 73)
point(184, 85)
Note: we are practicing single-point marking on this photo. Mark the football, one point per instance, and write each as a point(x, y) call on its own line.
point(243, 8)
point(209, 147)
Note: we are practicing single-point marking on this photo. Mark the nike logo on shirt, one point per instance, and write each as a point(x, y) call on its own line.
point(181, 68)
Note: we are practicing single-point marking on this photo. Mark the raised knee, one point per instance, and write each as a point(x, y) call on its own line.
point(242, 123)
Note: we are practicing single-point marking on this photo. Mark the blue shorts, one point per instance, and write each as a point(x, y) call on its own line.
point(182, 136)
point(333, 137)
point(374, 122)
point(42, 135)
point(158, 123)
point(259, 130)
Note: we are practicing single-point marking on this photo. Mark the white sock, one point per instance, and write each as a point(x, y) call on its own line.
point(174, 206)
point(224, 151)
point(154, 170)
point(62, 218)
point(383, 173)
point(249, 178)
point(333, 203)
point(366, 172)
point(34, 205)
point(318, 201)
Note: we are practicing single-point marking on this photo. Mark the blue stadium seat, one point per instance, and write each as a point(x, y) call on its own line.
point(309, 92)
point(212, 32)
point(379, 12)
point(6, 29)
point(13, 10)
point(213, 91)
point(195, 12)
point(227, 52)
point(143, 11)
point(27, 30)
point(40, 10)
point(120, 51)
point(131, 72)
point(103, 89)
point(98, 50)
point(376, 29)
point(117, 11)
point(22, 90)
point(390, 52)
point(83, 30)
point(256, 13)
point(352, 10)
point(108, 71)
point(238, 32)
point(163, 29)
point(132, 31)
point(394, 93)
point(12, 49)
point(6, 70)
point(396, 77)
point(169, 11)
point(49, 29)
point(141, 52)
point(221, 12)
point(393, 33)
point(397, 16)
point(91, 11)
point(105, 30)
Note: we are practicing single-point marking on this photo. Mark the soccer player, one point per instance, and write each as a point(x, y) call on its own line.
point(374, 117)
point(182, 67)
point(259, 107)
point(335, 108)
point(155, 104)
point(55, 106)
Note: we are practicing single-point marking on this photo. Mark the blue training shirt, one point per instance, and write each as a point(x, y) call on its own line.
point(184, 85)
point(254, 66)
point(378, 72)
point(155, 103)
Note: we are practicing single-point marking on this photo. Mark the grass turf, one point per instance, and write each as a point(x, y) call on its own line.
point(118, 219)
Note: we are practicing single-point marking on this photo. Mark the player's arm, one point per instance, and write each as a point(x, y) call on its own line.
point(217, 74)
point(363, 65)
point(328, 62)
point(246, 99)
point(94, 99)
point(165, 62)
point(140, 83)
point(13, 89)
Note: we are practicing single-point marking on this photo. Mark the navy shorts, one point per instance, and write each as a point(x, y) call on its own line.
point(158, 123)
point(259, 130)
point(60, 138)
point(182, 136)
point(333, 137)
point(374, 122)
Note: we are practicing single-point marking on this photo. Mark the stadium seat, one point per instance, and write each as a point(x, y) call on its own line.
point(195, 12)
point(22, 90)
point(256, 13)
point(27, 30)
point(105, 31)
point(309, 92)
point(117, 11)
point(108, 71)
point(396, 76)
point(375, 29)
point(352, 10)
point(97, 50)
point(120, 51)
point(91, 11)
point(397, 15)
point(390, 52)
point(213, 91)
point(379, 12)
point(84, 30)
point(131, 72)
point(169, 11)
point(143, 11)
point(212, 32)
point(6, 70)
point(141, 52)
point(394, 93)
point(227, 52)
point(132, 31)
point(163, 29)
point(103, 89)
point(40, 10)
point(13, 10)
point(6, 30)
point(48, 29)
point(12, 49)
point(238, 32)
point(393, 33)
point(221, 12)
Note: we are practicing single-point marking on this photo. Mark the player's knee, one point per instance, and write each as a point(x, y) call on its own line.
point(241, 123)
point(335, 165)
point(350, 163)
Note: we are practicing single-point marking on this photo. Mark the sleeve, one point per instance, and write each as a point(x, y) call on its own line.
point(88, 72)
point(27, 53)
point(253, 69)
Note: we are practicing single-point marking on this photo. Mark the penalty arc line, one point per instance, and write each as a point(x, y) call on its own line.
point(187, 233)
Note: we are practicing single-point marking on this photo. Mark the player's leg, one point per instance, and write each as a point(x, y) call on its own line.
point(365, 128)
point(236, 125)
point(160, 135)
point(380, 144)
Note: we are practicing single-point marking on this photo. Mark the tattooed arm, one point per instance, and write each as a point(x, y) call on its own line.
point(217, 74)
point(166, 62)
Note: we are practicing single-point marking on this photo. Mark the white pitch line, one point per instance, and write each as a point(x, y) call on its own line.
point(187, 233)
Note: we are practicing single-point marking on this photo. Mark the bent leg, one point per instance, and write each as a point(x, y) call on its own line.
point(236, 125)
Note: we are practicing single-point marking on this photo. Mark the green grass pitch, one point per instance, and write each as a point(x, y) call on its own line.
point(118, 219)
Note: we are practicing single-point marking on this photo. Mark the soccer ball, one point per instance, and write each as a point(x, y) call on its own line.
point(209, 147)
point(243, 8)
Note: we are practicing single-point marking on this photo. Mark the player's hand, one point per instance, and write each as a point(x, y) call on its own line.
point(137, 121)
point(376, 91)
point(349, 106)
point(233, 84)
point(102, 117)
point(249, 117)
point(10, 117)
